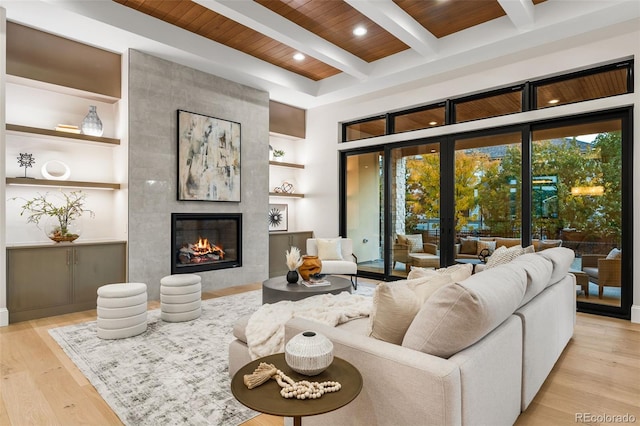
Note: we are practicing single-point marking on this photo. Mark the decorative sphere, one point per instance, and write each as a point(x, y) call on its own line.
point(309, 353)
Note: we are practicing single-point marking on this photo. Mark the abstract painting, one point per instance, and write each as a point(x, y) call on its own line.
point(278, 220)
point(208, 158)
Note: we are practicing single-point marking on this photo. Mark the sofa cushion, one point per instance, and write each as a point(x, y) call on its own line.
point(396, 303)
point(561, 258)
point(546, 244)
point(468, 246)
point(538, 271)
point(507, 242)
point(413, 242)
point(329, 248)
point(458, 315)
point(457, 272)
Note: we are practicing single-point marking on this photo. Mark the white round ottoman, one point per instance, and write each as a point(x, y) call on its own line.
point(122, 310)
point(180, 297)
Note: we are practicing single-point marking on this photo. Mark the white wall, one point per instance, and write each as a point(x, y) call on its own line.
point(320, 213)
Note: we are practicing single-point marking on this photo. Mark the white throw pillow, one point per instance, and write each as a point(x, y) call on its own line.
point(489, 245)
point(614, 254)
point(329, 248)
point(503, 255)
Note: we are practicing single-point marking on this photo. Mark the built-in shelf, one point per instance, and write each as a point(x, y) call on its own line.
point(285, 194)
point(14, 128)
point(283, 164)
point(59, 183)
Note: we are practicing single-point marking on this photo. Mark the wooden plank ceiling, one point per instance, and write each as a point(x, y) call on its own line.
point(332, 20)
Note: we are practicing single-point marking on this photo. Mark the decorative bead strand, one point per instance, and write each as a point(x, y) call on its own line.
point(304, 389)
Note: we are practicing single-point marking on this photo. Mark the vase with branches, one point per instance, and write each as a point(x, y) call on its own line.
point(63, 213)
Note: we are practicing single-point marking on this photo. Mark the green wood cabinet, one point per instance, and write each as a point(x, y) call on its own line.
point(279, 243)
point(52, 280)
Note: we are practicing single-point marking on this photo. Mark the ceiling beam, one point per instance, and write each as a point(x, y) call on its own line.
point(263, 20)
point(396, 21)
point(520, 12)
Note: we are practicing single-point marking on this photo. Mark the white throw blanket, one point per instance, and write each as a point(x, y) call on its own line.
point(265, 329)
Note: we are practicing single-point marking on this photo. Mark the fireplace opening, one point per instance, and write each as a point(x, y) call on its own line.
point(205, 241)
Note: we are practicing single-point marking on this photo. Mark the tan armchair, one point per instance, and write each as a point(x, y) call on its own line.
point(602, 271)
point(410, 250)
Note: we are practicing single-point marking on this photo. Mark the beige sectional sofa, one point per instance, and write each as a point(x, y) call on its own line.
point(476, 353)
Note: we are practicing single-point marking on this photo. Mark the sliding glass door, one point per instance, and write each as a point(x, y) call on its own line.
point(487, 193)
point(364, 212)
point(577, 180)
point(414, 213)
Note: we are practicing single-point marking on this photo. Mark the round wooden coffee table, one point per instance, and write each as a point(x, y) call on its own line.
point(277, 289)
point(266, 398)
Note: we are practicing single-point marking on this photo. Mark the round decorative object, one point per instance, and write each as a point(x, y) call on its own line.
point(65, 232)
point(309, 353)
point(55, 170)
point(310, 265)
point(292, 277)
point(91, 124)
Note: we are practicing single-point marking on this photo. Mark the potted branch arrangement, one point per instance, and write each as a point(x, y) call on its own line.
point(62, 218)
point(294, 260)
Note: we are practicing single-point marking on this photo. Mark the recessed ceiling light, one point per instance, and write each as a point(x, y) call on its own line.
point(433, 123)
point(359, 31)
point(298, 56)
point(554, 101)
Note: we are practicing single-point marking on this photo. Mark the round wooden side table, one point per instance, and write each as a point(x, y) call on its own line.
point(266, 398)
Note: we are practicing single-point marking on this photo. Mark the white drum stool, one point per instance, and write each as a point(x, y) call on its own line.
point(180, 297)
point(122, 310)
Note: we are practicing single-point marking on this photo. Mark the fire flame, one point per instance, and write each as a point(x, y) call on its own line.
point(203, 247)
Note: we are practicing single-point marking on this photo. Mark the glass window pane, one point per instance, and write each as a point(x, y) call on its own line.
point(365, 129)
point(415, 208)
point(488, 193)
point(417, 120)
point(364, 191)
point(490, 106)
point(594, 86)
point(577, 198)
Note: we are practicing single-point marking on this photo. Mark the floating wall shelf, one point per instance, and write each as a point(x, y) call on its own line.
point(59, 183)
point(285, 194)
point(283, 164)
point(14, 128)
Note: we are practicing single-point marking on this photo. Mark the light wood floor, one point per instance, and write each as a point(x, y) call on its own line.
point(598, 373)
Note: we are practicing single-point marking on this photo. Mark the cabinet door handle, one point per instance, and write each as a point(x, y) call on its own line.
point(75, 256)
point(68, 257)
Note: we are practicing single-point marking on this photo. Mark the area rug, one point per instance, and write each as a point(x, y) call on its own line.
point(172, 374)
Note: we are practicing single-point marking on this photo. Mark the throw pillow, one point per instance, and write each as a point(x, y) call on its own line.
point(329, 249)
point(489, 245)
point(413, 242)
point(394, 307)
point(457, 272)
point(547, 244)
point(529, 249)
point(538, 271)
point(468, 246)
point(418, 272)
point(458, 315)
point(395, 304)
point(614, 254)
point(503, 255)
